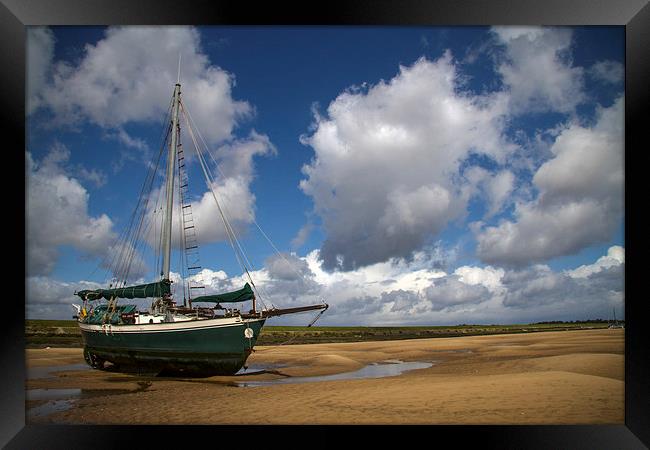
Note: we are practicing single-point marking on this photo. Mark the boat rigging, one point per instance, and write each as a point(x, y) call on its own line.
point(171, 335)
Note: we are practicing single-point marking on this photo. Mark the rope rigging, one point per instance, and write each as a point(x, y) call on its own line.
point(240, 254)
point(146, 219)
point(191, 126)
point(115, 260)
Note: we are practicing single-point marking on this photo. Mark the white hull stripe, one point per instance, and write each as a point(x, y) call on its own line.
point(165, 327)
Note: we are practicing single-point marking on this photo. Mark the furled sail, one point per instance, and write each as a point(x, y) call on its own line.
point(242, 295)
point(157, 289)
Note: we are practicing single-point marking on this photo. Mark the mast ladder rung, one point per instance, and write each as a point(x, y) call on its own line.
point(197, 287)
point(190, 248)
point(187, 206)
point(187, 228)
point(195, 267)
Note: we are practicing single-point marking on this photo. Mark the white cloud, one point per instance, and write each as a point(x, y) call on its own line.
point(495, 189)
point(287, 267)
point(302, 235)
point(415, 292)
point(541, 291)
point(232, 186)
point(97, 177)
point(129, 76)
point(57, 214)
point(580, 200)
point(607, 71)
point(450, 292)
point(383, 179)
point(615, 257)
point(47, 298)
point(538, 71)
point(488, 276)
point(399, 292)
point(122, 136)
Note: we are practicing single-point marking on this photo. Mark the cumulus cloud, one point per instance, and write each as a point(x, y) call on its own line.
point(400, 292)
point(451, 292)
point(57, 214)
point(49, 298)
point(540, 290)
point(488, 276)
point(537, 69)
point(129, 76)
point(234, 175)
point(287, 267)
point(384, 177)
point(615, 257)
point(415, 292)
point(580, 201)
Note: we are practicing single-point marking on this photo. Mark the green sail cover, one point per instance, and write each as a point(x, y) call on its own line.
point(157, 289)
point(242, 295)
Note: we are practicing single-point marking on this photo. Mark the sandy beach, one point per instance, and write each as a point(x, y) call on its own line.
point(569, 377)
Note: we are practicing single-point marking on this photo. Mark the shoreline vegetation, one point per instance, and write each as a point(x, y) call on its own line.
point(65, 333)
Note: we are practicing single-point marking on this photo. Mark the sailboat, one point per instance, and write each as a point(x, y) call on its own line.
point(615, 323)
point(169, 336)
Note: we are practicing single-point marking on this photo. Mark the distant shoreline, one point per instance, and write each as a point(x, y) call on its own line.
point(65, 333)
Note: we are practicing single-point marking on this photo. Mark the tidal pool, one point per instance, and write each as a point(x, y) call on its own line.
point(48, 371)
point(389, 368)
point(57, 400)
point(253, 368)
point(50, 407)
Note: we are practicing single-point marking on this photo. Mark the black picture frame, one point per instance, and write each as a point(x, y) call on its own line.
point(15, 15)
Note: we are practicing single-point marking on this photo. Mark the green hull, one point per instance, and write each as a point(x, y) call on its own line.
point(209, 350)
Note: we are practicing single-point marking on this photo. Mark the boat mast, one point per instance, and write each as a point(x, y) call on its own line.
point(167, 229)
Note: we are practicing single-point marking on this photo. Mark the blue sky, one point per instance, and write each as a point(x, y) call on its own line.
point(410, 175)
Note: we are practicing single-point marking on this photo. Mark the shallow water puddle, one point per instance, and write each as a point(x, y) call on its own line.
point(253, 368)
point(389, 368)
point(50, 407)
point(57, 400)
point(49, 371)
point(63, 399)
point(49, 394)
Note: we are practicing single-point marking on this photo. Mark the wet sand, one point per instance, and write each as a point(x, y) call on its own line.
point(569, 377)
